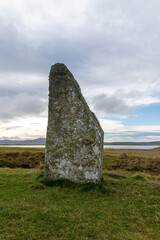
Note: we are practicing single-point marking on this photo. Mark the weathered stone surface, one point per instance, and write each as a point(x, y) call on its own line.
point(74, 144)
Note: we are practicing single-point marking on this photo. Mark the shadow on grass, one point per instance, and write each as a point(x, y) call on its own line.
point(41, 182)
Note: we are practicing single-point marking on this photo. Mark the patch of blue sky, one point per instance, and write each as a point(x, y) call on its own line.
point(145, 115)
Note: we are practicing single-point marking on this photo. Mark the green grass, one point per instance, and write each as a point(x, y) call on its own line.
point(20, 149)
point(125, 206)
point(127, 209)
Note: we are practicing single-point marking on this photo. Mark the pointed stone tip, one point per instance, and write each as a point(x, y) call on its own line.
point(59, 66)
point(59, 69)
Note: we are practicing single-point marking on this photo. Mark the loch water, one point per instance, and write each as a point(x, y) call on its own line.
point(105, 146)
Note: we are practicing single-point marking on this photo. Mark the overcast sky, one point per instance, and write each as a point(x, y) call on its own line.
point(112, 47)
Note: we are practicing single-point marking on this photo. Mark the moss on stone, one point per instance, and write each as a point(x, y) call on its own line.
point(73, 130)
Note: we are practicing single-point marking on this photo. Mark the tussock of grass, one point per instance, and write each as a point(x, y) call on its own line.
point(132, 160)
point(21, 159)
point(136, 163)
point(139, 177)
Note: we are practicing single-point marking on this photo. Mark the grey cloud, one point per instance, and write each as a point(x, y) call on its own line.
point(113, 40)
point(32, 88)
point(131, 136)
point(114, 47)
point(11, 128)
point(61, 44)
point(110, 105)
point(21, 105)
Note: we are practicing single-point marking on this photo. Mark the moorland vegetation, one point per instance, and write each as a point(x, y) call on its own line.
point(126, 205)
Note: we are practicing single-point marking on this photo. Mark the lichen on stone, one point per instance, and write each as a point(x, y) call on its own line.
point(74, 143)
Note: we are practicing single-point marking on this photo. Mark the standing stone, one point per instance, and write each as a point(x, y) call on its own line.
point(74, 144)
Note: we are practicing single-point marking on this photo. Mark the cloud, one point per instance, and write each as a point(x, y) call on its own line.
point(111, 47)
point(21, 105)
point(23, 128)
point(110, 105)
point(103, 43)
point(117, 131)
point(15, 83)
point(131, 136)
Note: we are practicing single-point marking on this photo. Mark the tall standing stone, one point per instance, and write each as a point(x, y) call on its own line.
point(74, 144)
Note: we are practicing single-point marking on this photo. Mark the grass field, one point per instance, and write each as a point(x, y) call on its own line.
point(125, 206)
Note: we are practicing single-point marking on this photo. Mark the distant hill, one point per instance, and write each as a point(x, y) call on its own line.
point(24, 142)
point(156, 143)
point(43, 141)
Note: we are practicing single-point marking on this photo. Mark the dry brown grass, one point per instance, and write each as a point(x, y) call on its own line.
point(133, 160)
point(21, 159)
point(124, 159)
